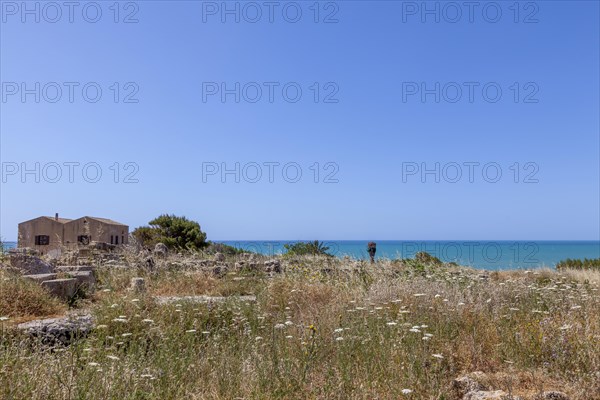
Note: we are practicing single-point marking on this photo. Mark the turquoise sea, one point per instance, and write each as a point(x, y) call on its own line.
point(479, 254)
point(504, 254)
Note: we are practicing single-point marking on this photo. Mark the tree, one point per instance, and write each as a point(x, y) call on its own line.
point(173, 231)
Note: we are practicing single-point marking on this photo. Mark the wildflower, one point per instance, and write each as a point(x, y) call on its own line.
point(289, 323)
point(135, 300)
point(419, 294)
point(424, 326)
point(114, 305)
point(312, 328)
point(205, 332)
point(338, 330)
point(101, 326)
point(123, 320)
point(437, 356)
point(436, 296)
point(93, 364)
point(513, 309)
point(391, 323)
point(575, 307)
point(146, 376)
point(258, 338)
point(428, 335)
point(414, 330)
point(339, 339)
point(190, 331)
point(148, 321)
point(3, 318)
point(106, 290)
point(406, 391)
point(279, 326)
point(126, 334)
point(565, 327)
point(114, 358)
point(289, 337)
point(461, 304)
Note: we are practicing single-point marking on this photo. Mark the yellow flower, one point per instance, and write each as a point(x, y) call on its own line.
point(312, 328)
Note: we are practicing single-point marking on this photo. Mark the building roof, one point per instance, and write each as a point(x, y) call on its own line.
point(106, 221)
point(59, 220)
point(65, 220)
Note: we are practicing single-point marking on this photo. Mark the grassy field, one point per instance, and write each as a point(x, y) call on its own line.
point(326, 329)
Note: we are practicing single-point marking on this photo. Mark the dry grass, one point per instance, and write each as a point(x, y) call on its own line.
point(325, 330)
point(23, 300)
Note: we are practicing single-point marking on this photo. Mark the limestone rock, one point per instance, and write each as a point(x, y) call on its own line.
point(62, 331)
point(272, 266)
point(39, 278)
point(160, 250)
point(74, 268)
point(553, 395)
point(62, 288)
point(138, 285)
point(29, 264)
point(489, 395)
point(468, 383)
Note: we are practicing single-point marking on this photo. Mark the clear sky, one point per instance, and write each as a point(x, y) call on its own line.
point(373, 121)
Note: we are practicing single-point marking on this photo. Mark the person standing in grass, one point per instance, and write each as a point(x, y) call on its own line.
point(372, 248)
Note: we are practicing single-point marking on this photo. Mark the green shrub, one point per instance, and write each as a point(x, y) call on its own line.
point(314, 248)
point(173, 231)
point(585, 264)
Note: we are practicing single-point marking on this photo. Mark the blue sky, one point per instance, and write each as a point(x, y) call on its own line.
point(364, 130)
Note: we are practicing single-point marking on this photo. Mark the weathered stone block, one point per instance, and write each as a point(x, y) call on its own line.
point(74, 268)
point(61, 288)
point(39, 278)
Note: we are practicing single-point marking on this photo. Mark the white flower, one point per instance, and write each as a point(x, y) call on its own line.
point(406, 391)
point(338, 330)
point(123, 320)
point(289, 337)
point(419, 294)
point(565, 327)
point(391, 323)
point(279, 326)
point(428, 335)
point(190, 331)
point(205, 332)
point(3, 318)
point(426, 338)
point(575, 307)
point(288, 323)
point(114, 358)
point(148, 321)
point(146, 376)
point(93, 364)
point(339, 339)
point(258, 338)
point(126, 334)
point(437, 356)
point(101, 326)
point(414, 330)
point(135, 300)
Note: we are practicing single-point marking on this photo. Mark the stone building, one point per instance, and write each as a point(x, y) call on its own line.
point(46, 233)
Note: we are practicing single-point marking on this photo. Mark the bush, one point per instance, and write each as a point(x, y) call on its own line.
point(585, 264)
point(175, 232)
point(315, 248)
